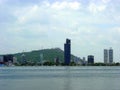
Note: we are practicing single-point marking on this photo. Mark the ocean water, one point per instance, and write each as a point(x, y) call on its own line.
point(60, 78)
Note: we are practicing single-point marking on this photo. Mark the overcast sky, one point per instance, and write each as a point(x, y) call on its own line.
point(92, 25)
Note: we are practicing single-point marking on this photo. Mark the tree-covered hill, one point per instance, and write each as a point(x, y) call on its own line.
point(48, 55)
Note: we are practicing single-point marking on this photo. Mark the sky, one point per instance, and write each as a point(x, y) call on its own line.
point(92, 26)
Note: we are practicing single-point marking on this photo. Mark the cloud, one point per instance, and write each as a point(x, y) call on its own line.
point(94, 8)
point(63, 5)
point(26, 13)
point(117, 29)
point(106, 1)
point(39, 11)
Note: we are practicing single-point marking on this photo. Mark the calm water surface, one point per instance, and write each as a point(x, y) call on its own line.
point(60, 78)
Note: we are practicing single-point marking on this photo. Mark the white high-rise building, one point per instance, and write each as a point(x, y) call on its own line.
point(110, 55)
point(106, 56)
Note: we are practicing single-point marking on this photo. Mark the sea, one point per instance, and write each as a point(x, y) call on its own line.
point(60, 78)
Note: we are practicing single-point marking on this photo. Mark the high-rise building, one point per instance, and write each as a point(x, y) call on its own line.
point(106, 56)
point(90, 59)
point(67, 52)
point(110, 55)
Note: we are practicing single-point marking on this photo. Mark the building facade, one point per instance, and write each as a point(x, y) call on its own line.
point(110, 55)
point(106, 56)
point(67, 52)
point(90, 59)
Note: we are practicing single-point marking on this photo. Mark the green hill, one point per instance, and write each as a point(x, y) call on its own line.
point(48, 55)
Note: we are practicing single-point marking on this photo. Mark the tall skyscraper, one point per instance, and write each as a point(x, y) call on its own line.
point(110, 55)
point(67, 52)
point(106, 56)
point(90, 59)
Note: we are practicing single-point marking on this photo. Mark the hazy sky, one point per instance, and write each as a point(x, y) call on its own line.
point(92, 25)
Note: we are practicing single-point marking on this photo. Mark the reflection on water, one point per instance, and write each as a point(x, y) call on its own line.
point(67, 81)
point(59, 78)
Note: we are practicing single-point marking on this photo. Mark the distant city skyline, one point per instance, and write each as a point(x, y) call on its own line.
point(92, 25)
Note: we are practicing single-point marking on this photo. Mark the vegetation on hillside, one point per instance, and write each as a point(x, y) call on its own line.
point(48, 55)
